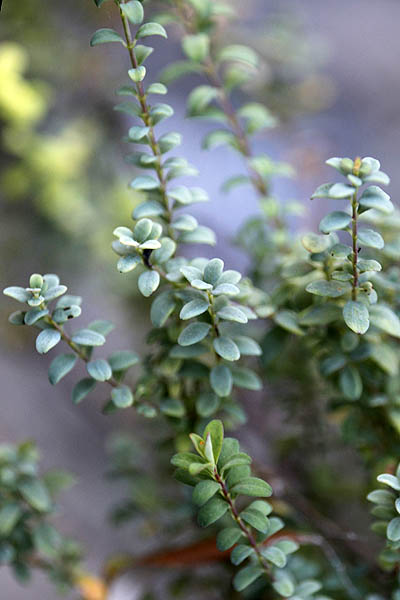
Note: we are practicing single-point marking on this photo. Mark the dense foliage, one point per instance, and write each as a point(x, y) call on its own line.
point(319, 313)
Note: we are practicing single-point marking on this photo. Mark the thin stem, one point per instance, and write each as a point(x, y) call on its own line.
point(225, 103)
point(78, 351)
point(146, 117)
point(245, 530)
point(354, 256)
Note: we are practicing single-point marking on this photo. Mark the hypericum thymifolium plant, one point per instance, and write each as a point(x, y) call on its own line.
point(320, 313)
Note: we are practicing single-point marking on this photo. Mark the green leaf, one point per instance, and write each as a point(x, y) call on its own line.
point(173, 407)
point(356, 316)
point(9, 515)
point(288, 320)
point(82, 389)
point(227, 537)
point(256, 519)
point(148, 282)
point(393, 530)
point(61, 366)
point(381, 497)
point(103, 36)
point(194, 308)
point(151, 29)
point(221, 380)
point(58, 480)
point(227, 289)
point(213, 270)
point(330, 289)
point(370, 238)
point(226, 348)
point(122, 360)
point(383, 317)
point(308, 587)
point(157, 88)
point(240, 553)
point(200, 235)
point(47, 540)
point(142, 53)
point(47, 339)
point(34, 315)
point(334, 221)
point(252, 486)
point(230, 447)
point(213, 510)
point(232, 313)
point(275, 555)
point(287, 546)
point(162, 308)
point(137, 75)
point(101, 326)
point(237, 459)
point(275, 525)
point(167, 250)
point(204, 490)
point(216, 431)
point(386, 357)
point(122, 396)
point(158, 113)
point(128, 263)
point(374, 197)
point(246, 378)
point(134, 11)
point(54, 292)
point(390, 480)
point(284, 586)
point(87, 337)
point(169, 141)
point(351, 383)
point(137, 133)
point(17, 318)
point(315, 243)
point(218, 137)
point(99, 369)
point(207, 403)
point(248, 346)
point(238, 53)
point(200, 98)
point(193, 333)
point(196, 47)
point(246, 576)
point(35, 494)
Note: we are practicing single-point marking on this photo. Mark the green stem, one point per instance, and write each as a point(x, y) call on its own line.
point(245, 530)
point(147, 121)
point(78, 351)
point(225, 103)
point(354, 257)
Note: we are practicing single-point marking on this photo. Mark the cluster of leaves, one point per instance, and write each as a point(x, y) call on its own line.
point(198, 290)
point(226, 69)
point(346, 273)
point(320, 297)
point(387, 511)
point(27, 538)
point(42, 291)
point(221, 475)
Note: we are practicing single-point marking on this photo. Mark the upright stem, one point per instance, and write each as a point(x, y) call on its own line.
point(225, 103)
point(245, 530)
point(147, 121)
point(354, 259)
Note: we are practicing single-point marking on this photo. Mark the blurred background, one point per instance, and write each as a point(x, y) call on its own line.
point(330, 72)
